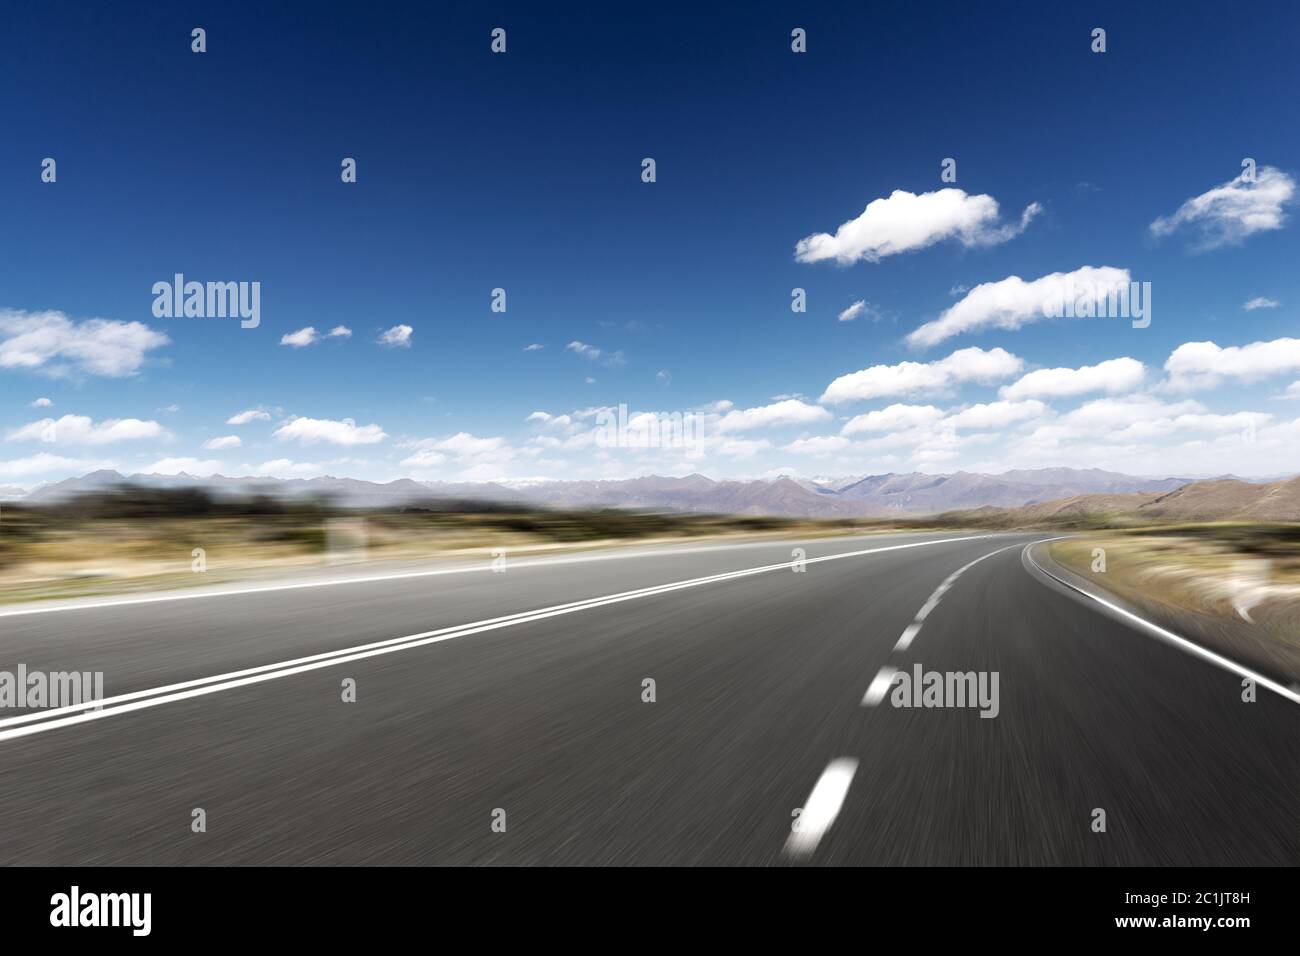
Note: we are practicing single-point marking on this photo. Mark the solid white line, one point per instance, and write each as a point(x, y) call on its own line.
point(879, 686)
point(138, 700)
point(1170, 637)
point(197, 594)
point(913, 629)
point(822, 807)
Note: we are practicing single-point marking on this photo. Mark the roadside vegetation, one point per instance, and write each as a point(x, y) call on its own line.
point(131, 538)
point(1235, 586)
point(127, 538)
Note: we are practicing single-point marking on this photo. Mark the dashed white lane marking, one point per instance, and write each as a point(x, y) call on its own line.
point(1191, 647)
point(542, 562)
point(879, 686)
point(822, 807)
point(138, 700)
point(905, 639)
point(914, 628)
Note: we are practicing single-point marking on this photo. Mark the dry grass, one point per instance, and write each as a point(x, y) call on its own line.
point(1237, 585)
point(88, 550)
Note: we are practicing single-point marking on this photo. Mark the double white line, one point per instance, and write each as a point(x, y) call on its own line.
point(22, 726)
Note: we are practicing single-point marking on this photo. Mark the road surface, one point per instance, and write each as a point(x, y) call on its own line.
point(529, 741)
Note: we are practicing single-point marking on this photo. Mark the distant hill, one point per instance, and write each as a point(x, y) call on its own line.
point(928, 494)
point(1229, 500)
point(886, 495)
point(1220, 499)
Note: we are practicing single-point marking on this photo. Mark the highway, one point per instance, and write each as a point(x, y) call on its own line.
point(474, 740)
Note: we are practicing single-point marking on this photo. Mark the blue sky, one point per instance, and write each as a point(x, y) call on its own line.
point(522, 171)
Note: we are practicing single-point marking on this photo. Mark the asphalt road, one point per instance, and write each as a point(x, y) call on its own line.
point(759, 712)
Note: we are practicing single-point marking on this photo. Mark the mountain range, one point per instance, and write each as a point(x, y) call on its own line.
point(1220, 499)
point(823, 497)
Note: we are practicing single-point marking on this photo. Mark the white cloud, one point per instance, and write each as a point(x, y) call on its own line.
point(1013, 302)
point(288, 468)
point(425, 459)
point(1233, 422)
point(1127, 419)
point(1113, 376)
point(1156, 428)
point(534, 347)
point(933, 436)
point(821, 445)
point(468, 449)
point(251, 415)
point(911, 378)
point(190, 466)
point(853, 311)
point(46, 464)
point(929, 437)
point(996, 414)
point(471, 446)
point(42, 403)
point(892, 419)
point(1228, 214)
point(80, 430)
point(1260, 302)
point(1196, 365)
point(551, 421)
point(54, 344)
point(730, 446)
point(308, 431)
point(398, 337)
point(906, 221)
point(1292, 390)
point(300, 339)
point(930, 456)
point(1144, 436)
point(789, 412)
point(226, 441)
point(583, 349)
point(1108, 414)
point(340, 332)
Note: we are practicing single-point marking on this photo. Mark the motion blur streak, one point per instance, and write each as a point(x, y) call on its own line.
point(758, 678)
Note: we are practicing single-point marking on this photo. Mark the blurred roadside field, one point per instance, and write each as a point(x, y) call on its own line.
point(130, 539)
point(1233, 587)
